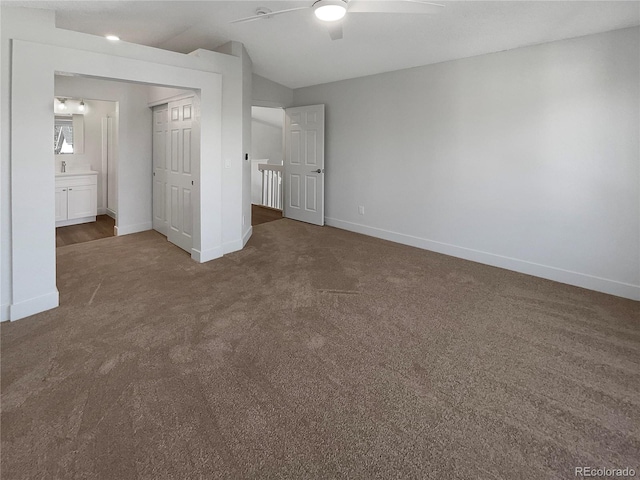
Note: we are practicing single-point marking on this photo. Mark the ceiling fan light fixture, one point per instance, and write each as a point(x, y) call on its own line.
point(262, 11)
point(330, 10)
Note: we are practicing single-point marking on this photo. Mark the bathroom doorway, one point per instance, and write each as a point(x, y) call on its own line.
point(85, 151)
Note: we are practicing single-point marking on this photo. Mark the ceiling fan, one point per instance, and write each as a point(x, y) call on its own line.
point(332, 11)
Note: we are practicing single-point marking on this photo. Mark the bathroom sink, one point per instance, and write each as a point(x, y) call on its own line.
point(76, 173)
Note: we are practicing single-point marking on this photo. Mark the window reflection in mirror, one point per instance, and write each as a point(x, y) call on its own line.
point(63, 134)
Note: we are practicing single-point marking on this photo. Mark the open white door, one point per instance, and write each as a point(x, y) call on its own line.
point(160, 187)
point(180, 178)
point(304, 164)
point(109, 164)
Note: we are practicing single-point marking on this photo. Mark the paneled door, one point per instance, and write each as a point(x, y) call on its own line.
point(160, 186)
point(304, 164)
point(180, 178)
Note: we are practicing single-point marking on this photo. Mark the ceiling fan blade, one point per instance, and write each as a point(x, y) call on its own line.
point(393, 6)
point(267, 15)
point(335, 30)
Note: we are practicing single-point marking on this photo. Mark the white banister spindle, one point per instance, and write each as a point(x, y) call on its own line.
point(268, 173)
point(265, 180)
point(271, 185)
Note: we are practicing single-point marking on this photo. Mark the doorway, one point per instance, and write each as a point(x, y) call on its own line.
point(85, 151)
point(287, 171)
point(267, 154)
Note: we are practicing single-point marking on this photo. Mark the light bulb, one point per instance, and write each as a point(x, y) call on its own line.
point(81, 107)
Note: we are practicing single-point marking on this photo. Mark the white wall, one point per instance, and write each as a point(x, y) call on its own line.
point(91, 157)
point(12, 21)
point(247, 102)
point(526, 159)
point(267, 93)
point(29, 285)
point(157, 95)
point(266, 134)
point(233, 132)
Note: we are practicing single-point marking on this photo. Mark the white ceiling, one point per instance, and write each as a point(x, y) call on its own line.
point(295, 49)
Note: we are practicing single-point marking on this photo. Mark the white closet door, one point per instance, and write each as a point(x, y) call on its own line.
point(180, 178)
point(304, 164)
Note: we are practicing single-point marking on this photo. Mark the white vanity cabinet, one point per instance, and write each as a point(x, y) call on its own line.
point(76, 198)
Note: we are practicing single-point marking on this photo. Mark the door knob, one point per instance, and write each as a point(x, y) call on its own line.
point(320, 170)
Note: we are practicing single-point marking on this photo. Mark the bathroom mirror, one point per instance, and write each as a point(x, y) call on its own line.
point(68, 134)
point(63, 134)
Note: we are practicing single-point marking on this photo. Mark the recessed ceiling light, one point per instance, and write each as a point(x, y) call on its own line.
point(330, 10)
point(113, 38)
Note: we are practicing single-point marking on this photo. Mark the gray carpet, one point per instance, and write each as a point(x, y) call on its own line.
point(315, 353)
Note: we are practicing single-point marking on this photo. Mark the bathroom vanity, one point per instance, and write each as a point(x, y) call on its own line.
point(76, 197)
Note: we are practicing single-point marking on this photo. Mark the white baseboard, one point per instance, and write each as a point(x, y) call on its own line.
point(231, 247)
point(129, 229)
point(4, 312)
point(102, 211)
point(206, 255)
point(111, 213)
point(590, 282)
point(247, 236)
point(75, 221)
point(34, 305)
point(239, 244)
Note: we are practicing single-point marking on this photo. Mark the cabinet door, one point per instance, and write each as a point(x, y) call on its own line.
point(82, 201)
point(61, 203)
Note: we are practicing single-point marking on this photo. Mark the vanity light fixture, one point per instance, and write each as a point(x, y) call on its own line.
point(81, 107)
point(330, 10)
point(113, 38)
point(62, 105)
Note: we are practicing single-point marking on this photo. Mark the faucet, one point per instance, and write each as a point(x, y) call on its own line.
point(64, 166)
